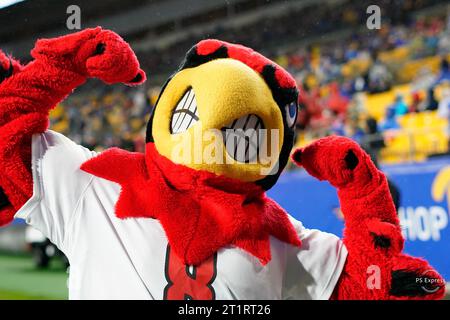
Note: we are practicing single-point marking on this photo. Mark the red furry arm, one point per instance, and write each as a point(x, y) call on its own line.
point(26, 97)
point(376, 268)
point(27, 94)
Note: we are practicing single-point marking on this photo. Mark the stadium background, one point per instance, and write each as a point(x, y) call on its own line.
point(387, 88)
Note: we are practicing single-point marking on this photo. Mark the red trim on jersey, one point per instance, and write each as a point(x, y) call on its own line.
point(200, 212)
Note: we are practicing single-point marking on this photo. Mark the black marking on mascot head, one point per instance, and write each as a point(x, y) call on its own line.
point(6, 72)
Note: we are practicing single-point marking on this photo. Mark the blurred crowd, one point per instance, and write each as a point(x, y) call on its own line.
point(106, 117)
point(334, 76)
point(268, 34)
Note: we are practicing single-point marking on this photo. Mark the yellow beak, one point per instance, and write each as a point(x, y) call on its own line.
point(224, 92)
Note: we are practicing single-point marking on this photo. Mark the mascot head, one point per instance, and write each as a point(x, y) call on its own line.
point(227, 110)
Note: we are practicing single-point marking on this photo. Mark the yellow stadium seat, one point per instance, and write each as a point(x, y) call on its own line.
point(421, 134)
point(376, 104)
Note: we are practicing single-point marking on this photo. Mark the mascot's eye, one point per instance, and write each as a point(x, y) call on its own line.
point(291, 113)
point(99, 49)
point(185, 114)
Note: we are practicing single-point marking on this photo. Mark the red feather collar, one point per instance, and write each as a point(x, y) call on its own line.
point(200, 212)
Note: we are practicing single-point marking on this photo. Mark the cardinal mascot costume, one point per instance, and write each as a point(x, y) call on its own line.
point(189, 218)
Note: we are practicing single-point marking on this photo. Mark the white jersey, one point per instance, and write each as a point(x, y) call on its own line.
point(112, 258)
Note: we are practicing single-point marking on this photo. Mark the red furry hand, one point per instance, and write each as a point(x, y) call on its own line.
point(93, 53)
point(376, 268)
point(339, 161)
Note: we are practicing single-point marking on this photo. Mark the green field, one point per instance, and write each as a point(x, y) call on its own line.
point(19, 279)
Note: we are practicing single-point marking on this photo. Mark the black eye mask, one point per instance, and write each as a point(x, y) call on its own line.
point(6, 73)
point(3, 199)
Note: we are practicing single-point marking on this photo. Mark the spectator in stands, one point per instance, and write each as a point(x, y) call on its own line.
point(444, 74)
point(352, 51)
point(336, 101)
point(353, 130)
point(444, 44)
point(400, 106)
point(416, 103)
point(373, 141)
point(432, 104)
point(358, 104)
point(379, 77)
point(390, 121)
point(424, 79)
point(444, 107)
